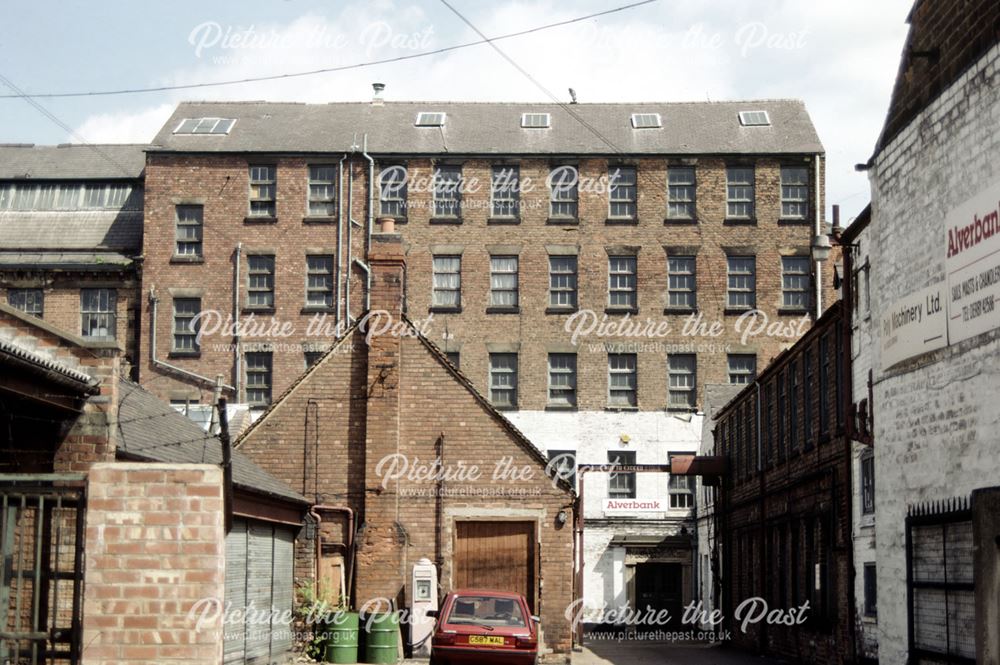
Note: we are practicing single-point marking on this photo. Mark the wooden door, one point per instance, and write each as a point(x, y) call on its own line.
point(496, 555)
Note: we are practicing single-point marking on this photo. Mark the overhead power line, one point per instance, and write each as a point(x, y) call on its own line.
point(327, 70)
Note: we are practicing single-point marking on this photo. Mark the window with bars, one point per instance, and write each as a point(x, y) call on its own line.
point(621, 484)
point(681, 193)
point(622, 380)
point(742, 368)
point(322, 190)
point(259, 378)
point(263, 191)
point(260, 281)
point(562, 379)
point(189, 227)
point(741, 274)
point(503, 282)
point(505, 191)
point(622, 192)
point(447, 282)
point(186, 326)
point(563, 192)
point(681, 283)
point(740, 193)
point(319, 281)
point(393, 191)
point(682, 380)
point(681, 490)
point(622, 282)
point(29, 301)
point(98, 309)
point(795, 280)
point(563, 282)
point(447, 191)
point(503, 380)
point(868, 484)
point(794, 192)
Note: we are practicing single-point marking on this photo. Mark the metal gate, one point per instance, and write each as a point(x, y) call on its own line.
point(41, 571)
point(940, 583)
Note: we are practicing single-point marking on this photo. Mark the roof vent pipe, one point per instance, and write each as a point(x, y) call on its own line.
point(379, 88)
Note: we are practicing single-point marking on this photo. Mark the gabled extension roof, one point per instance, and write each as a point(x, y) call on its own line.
point(438, 354)
point(472, 128)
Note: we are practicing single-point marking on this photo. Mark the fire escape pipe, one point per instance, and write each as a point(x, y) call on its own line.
point(153, 300)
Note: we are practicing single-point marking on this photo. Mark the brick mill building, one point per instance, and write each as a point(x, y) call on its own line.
point(520, 223)
point(370, 415)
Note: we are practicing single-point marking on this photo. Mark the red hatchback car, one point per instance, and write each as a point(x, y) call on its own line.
point(484, 627)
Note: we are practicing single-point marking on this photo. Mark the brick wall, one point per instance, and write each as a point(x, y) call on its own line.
point(766, 509)
point(936, 420)
point(220, 183)
point(155, 546)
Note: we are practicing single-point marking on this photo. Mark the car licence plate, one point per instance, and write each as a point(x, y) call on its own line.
point(486, 639)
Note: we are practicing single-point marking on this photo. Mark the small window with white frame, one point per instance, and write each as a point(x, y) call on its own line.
point(536, 120)
point(29, 301)
point(563, 282)
point(503, 380)
point(393, 191)
point(448, 191)
point(503, 282)
point(319, 281)
point(99, 313)
point(621, 484)
point(322, 190)
point(681, 491)
point(646, 121)
point(681, 193)
point(740, 193)
point(259, 378)
point(622, 282)
point(505, 192)
point(263, 191)
point(447, 282)
point(795, 279)
point(682, 380)
point(794, 192)
point(186, 325)
point(622, 380)
point(260, 281)
point(682, 289)
point(742, 368)
point(741, 291)
point(622, 192)
point(564, 184)
point(189, 227)
point(562, 379)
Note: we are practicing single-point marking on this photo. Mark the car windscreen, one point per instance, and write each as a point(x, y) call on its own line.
point(487, 611)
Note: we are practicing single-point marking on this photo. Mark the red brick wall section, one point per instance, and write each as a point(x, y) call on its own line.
point(155, 547)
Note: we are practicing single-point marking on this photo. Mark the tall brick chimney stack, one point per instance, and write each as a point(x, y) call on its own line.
point(380, 550)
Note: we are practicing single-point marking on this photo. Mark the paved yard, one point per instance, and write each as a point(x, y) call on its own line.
point(650, 653)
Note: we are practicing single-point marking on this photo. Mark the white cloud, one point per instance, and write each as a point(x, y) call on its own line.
point(840, 57)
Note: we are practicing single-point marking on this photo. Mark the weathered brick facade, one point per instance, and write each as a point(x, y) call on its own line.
point(363, 403)
point(155, 548)
point(784, 512)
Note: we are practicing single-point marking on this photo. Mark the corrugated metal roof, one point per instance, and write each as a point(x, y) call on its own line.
point(495, 128)
point(83, 230)
point(153, 430)
point(72, 161)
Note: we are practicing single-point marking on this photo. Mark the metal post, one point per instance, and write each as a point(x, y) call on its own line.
point(227, 463)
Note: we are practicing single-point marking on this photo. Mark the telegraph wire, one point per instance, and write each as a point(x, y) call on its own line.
point(327, 70)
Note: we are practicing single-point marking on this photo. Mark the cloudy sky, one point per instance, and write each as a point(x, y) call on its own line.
point(840, 56)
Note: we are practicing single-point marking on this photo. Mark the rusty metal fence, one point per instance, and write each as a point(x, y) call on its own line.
point(41, 568)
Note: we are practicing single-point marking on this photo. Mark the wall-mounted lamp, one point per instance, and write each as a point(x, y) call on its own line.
point(561, 518)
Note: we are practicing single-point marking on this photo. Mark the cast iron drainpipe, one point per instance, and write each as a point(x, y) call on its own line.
point(578, 518)
point(371, 218)
point(348, 576)
point(761, 640)
point(340, 236)
point(152, 349)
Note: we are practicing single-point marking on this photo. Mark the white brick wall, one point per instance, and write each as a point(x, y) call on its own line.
point(937, 420)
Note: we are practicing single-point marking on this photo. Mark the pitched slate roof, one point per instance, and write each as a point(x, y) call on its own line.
point(152, 430)
point(495, 128)
point(71, 230)
point(71, 161)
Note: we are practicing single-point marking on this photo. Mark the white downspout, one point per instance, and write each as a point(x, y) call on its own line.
point(340, 236)
point(237, 355)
